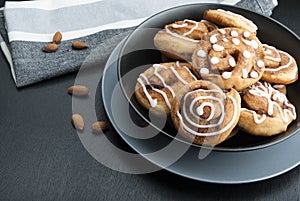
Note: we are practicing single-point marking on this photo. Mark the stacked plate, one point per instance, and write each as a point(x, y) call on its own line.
point(242, 158)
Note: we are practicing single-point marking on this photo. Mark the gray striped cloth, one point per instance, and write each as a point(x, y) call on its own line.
point(27, 26)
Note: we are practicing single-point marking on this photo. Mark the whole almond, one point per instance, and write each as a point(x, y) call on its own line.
point(57, 38)
point(99, 126)
point(78, 90)
point(50, 47)
point(78, 122)
point(79, 45)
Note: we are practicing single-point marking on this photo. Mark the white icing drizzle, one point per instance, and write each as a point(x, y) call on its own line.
point(214, 60)
point(153, 102)
point(254, 44)
point(221, 120)
point(180, 36)
point(278, 86)
point(156, 67)
point(267, 91)
point(184, 36)
point(225, 40)
point(226, 75)
point(260, 63)
point(222, 31)
point(232, 62)
point(269, 50)
point(218, 48)
point(213, 39)
point(273, 58)
point(178, 76)
point(192, 29)
point(204, 71)
point(244, 73)
point(200, 110)
point(189, 71)
point(282, 66)
point(234, 33)
point(246, 54)
point(247, 42)
point(175, 26)
point(254, 74)
point(255, 116)
point(191, 111)
point(201, 53)
point(185, 24)
point(247, 34)
point(278, 97)
point(236, 41)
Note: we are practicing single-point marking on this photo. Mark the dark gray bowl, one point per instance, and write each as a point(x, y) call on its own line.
point(138, 53)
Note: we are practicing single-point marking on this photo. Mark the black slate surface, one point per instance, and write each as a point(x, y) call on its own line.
point(42, 158)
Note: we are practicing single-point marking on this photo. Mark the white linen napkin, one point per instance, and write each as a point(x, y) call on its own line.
point(31, 24)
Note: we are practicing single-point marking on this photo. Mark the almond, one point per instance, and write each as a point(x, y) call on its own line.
point(79, 45)
point(78, 122)
point(99, 126)
point(50, 47)
point(78, 90)
point(57, 38)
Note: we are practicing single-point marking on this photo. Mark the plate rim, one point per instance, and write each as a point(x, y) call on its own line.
point(171, 168)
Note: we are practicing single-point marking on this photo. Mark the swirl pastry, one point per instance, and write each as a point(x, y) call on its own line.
point(229, 19)
point(179, 39)
point(158, 85)
point(204, 114)
point(281, 68)
point(265, 111)
point(229, 57)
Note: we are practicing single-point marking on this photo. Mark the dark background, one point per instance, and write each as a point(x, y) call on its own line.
point(42, 158)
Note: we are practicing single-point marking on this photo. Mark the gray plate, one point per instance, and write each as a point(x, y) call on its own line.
point(219, 166)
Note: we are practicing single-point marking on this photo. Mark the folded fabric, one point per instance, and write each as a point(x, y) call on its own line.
point(101, 23)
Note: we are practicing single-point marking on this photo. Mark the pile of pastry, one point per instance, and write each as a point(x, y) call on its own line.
point(219, 76)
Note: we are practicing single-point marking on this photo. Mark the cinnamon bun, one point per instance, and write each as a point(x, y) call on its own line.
point(230, 58)
point(179, 39)
point(159, 84)
point(265, 111)
point(281, 67)
point(230, 19)
point(204, 114)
